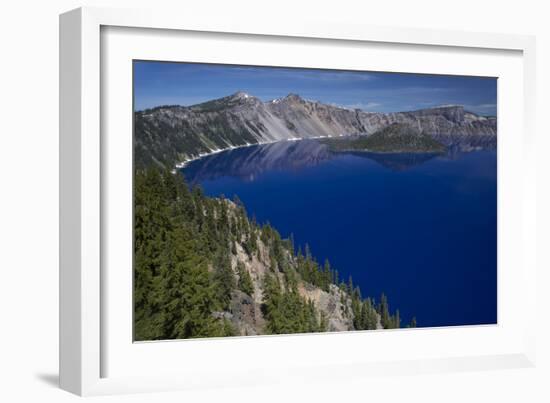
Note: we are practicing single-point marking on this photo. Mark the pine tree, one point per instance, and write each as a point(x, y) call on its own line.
point(370, 315)
point(151, 226)
point(383, 310)
point(397, 320)
point(327, 276)
point(224, 280)
point(350, 284)
point(245, 281)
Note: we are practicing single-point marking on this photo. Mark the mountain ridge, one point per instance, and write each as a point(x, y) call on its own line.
point(174, 134)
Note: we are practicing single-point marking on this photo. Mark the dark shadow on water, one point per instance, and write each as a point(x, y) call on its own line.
point(398, 161)
point(49, 379)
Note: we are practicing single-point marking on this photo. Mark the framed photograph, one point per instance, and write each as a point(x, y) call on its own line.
point(237, 197)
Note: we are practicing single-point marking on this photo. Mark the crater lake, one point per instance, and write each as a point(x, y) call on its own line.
point(421, 228)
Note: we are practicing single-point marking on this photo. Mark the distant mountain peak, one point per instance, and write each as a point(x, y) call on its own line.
point(241, 95)
point(293, 97)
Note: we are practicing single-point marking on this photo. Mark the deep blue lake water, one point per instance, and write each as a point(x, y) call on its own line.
point(421, 228)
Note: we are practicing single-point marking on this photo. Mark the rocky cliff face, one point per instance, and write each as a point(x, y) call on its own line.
point(245, 311)
point(168, 135)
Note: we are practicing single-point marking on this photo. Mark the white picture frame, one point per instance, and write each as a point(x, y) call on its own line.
point(85, 311)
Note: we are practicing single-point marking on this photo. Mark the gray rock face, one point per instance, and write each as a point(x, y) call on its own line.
point(245, 312)
point(169, 135)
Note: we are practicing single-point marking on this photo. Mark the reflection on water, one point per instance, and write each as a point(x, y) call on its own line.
point(419, 227)
point(248, 162)
point(398, 161)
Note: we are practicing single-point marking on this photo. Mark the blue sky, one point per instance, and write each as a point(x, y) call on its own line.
point(166, 83)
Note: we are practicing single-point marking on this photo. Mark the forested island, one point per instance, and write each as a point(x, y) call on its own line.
point(204, 268)
point(394, 138)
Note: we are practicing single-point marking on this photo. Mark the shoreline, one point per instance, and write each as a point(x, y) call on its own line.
point(391, 152)
point(184, 163)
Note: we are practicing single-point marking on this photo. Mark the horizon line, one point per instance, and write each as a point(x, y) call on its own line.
point(272, 100)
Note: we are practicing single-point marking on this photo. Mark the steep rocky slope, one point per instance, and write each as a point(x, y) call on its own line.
point(245, 311)
point(203, 268)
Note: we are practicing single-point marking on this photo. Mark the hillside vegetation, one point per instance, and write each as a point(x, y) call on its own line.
point(203, 268)
point(395, 138)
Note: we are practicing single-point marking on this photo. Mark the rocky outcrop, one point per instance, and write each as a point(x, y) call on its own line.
point(245, 312)
point(168, 135)
point(335, 304)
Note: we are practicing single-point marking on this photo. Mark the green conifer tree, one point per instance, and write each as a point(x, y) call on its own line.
point(245, 280)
